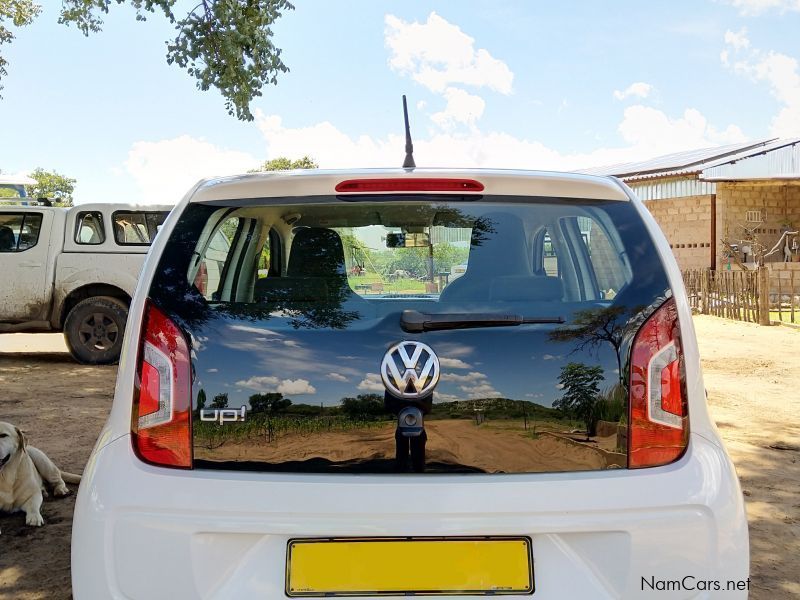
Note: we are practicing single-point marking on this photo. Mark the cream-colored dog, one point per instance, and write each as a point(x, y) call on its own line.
point(23, 473)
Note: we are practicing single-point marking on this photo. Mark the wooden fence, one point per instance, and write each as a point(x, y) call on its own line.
point(784, 296)
point(757, 296)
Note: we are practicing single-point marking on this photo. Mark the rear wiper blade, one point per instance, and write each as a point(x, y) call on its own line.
point(414, 321)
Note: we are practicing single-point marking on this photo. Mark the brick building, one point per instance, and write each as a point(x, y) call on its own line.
point(704, 196)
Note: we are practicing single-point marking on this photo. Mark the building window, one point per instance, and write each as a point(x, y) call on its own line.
point(756, 216)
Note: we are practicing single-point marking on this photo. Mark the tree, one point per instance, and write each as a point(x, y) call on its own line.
point(413, 260)
point(226, 44)
point(581, 393)
point(271, 402)
point(446, 255)
point(53, 185)
point(220, 401)
point(593, 327)
point(364, 405)
point(20, 13)
point(283, 163)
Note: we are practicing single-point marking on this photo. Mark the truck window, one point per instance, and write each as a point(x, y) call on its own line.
point(213, 264)
point(137, 228)
point(89, 228)
point(19, 231)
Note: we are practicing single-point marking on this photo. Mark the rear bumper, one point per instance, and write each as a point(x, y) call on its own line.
point(146, 532)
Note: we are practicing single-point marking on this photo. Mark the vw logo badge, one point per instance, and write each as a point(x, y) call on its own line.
point(410, 370)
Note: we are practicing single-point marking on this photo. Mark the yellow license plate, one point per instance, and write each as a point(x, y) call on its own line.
point(408, 566)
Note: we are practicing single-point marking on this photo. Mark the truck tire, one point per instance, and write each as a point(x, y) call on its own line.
point(94, 329)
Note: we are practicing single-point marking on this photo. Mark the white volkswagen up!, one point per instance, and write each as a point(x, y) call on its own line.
point(308, 406)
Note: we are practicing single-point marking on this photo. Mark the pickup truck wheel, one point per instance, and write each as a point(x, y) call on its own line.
point(94, 329)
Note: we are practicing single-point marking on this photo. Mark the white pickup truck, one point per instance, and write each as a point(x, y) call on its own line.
point(74, 270)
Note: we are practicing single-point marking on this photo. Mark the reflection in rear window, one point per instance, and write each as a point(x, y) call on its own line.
point(292, 308)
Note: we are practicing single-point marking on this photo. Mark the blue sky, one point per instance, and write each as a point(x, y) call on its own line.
point(491, 84)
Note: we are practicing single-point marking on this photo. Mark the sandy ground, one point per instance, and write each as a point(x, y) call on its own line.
point(752, 374)
point(451, 444)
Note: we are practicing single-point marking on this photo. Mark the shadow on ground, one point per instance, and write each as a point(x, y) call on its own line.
point(61, 406)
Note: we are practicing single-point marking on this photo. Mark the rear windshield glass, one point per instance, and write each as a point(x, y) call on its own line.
point(425, 334)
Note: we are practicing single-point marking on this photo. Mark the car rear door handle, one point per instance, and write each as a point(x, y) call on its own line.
point(30, 263)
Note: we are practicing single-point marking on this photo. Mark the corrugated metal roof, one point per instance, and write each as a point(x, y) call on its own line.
point(17, 179)
point(684, 163)
point(779, 159)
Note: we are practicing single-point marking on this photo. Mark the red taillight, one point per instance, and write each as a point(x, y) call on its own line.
point(162, 421)
point(659, 423)
point(408, 184)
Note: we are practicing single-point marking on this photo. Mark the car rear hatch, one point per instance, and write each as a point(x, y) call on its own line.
point(325, 335)
point(343, 417)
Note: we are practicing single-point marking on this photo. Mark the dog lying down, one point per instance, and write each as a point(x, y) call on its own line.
point(24, 470)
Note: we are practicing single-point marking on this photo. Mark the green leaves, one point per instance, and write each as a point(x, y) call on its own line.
point(286, 164)
point(20, 13)
point(580, 383)
point(53, 185)
point(225, 44)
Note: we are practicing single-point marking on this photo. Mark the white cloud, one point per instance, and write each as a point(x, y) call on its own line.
point(646, 127)
point(165, 170)
point(273, 384)
point(756, 7)
point(474, 384)
point(259, 383)
point(481, 390)
point(253, 329)
point(638, 89)
point(439, 397)
point(462, 107)
point(296, 387)
point(328, 145)
point(371, 383)
point(453, 363)
point(469, 377)
point(737, 39)
point(779, 71)
point(646, 132)
point(438, 54)
point(336, 377)
point(442, 57)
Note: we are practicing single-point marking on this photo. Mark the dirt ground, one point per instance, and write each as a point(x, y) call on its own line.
point(451, 443)
point(752, 374)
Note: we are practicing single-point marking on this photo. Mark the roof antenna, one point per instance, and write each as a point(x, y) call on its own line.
point(408, 163)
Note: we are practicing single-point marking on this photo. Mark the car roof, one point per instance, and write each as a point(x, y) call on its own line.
point(109, 207)
point(316, 182)
point(16, 207)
